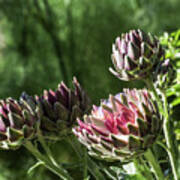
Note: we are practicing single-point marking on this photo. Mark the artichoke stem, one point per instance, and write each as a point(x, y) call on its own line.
point(169, 141)
point(163, 108)
point(59, 171)
point(85, 173)
point(150, 85)
point(154, 164)
point(46, 148)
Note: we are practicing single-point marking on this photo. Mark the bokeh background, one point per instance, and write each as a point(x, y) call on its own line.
point(45, 41)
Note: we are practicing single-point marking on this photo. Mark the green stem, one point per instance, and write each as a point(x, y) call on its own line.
point(57, 170)
point(154, 164)
point(163, 107)
point(46, 148)
point(91, 166)
point(85, 164)
point(169, 141)
point(151, 87)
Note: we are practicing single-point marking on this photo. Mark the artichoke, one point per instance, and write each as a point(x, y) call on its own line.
point(59, 109)
point(123, 127)
point(17, 123)
point(135, 54)
point(165, 74)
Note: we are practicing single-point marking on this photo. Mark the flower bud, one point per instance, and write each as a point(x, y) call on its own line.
point(135, 54)
point(123, 127)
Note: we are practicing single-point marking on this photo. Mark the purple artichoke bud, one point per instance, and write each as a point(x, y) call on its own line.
point(17, 122)
point(123, 127)
point(135, 54)
point(165, 74)
point(59, 109)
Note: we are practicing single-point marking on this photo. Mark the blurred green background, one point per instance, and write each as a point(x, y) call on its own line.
point(45, 41)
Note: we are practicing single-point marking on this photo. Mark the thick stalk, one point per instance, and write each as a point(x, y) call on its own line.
point(48, 164)
point(85, 173)
point(163, 108)
point(46, 148)
point(151, 87)
point(169, 140)
point(154, 164)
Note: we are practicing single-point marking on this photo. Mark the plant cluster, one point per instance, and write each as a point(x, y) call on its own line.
point(124, 132)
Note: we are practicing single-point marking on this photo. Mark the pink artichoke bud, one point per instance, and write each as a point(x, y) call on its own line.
point(17, 123)
point(135, 54)
point(123, 127)
point(59, 109)
point(165, 74)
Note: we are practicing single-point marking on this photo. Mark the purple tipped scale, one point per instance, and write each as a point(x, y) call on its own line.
point(135, 54)
point(123, 127)
point(17, 123)
point(59, 109)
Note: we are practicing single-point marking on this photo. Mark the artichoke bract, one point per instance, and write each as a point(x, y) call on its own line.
point(165, 74)
point(135, 54)
point(59, 109)
point(123, 127)
point(17, 123)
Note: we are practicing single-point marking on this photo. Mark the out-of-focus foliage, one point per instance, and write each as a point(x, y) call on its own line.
point(45, 41)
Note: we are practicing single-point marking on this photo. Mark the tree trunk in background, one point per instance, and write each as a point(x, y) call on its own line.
point(71, 39)
point(52, 30)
